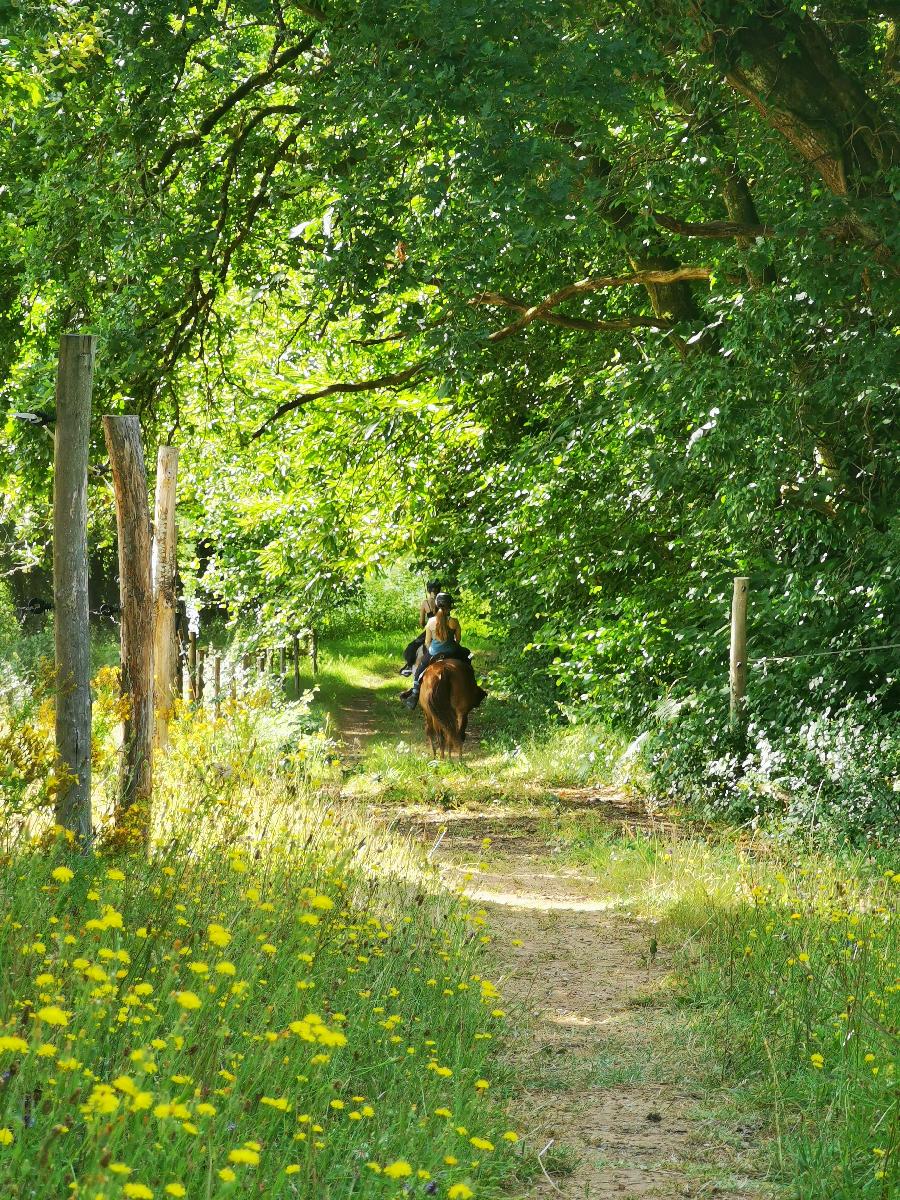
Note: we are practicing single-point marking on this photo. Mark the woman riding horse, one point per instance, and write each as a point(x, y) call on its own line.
point(442, 637)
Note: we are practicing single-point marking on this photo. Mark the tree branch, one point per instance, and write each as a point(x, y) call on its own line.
point(397, 379)
point(596, 283)
point(221, 110)
point(499, 300)
point(712, 229)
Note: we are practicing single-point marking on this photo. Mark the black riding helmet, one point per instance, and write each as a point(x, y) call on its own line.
point(443, 600)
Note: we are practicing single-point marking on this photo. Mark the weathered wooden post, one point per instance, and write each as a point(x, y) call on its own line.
point(192, 666)
point(738, 662)
point(201, 672)
point(282, 662)
point(246, 663)
point(233, 689)
point(217, 678)
point(296, 641)
point(74, 380)
point(167, 675)
point(261, 663)
point(126, 457)
point(314, 651)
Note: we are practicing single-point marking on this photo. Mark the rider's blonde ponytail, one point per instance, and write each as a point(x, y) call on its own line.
point(442, 622)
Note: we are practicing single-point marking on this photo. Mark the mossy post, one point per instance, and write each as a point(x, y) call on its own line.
point(738, 660)
point(126, 458)
point(74, 381)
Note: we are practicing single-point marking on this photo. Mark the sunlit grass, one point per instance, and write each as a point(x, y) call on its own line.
point(788, 970)
point(277, 1000)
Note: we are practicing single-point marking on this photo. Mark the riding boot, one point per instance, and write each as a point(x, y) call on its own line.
point(412, 697)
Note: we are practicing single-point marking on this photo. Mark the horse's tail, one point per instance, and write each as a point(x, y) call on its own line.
point(441, 703)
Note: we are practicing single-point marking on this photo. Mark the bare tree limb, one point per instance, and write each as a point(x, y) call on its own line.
point(397, 379)
point(596, 283)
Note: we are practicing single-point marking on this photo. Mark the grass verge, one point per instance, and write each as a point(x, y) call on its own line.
point(275, 1000)
point(787, 987)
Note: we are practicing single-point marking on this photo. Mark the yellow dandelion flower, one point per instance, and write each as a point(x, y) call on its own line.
point(6, 1137)
point(510, 1136)
point(118, 1168)
point(13, 1044)
point(817, 1061)
point(292, 1168)
point(460, 1191)
point(115, 874)
point(226, 968)
point(227, 1175)
point(398, 1170)
point(218, 935)
point(62, 874)
point(188, 1000)
point(482, 1085)
point(137, 1191)
point(244, 1155)
point(52, 1014)
point(175, 1189)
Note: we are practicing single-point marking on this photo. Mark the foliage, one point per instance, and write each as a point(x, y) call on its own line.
point(587, 306)
point(275, 997)
point(787, 972)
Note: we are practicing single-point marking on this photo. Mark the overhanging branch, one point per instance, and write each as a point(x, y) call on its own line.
point(397, 379)
point(221, 110)
point(720, 230)
point(500, 300)
point(596, 283)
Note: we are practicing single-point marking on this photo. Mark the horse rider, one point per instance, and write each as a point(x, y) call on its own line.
point(443, 635)
point(427, 609)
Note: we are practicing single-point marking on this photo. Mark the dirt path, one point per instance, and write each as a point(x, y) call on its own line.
point(599, 1099)
point(603, 1101)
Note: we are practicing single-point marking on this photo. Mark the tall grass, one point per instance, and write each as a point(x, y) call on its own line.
point(275, 1001)
point(788, 970)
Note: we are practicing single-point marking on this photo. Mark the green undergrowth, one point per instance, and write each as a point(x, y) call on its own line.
point(786, 986)
point(276, 1000)
point(509, 756)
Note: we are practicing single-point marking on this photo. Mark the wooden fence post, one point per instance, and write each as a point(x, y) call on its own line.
point(282, 661)
point(201, 671)
point(126, 457)
point(74, 381)
point(314, 651)
point(738, 660)
point(167, 675)
point(246, 663)
point(192, 666)
point(296, 641)
point(217, 678)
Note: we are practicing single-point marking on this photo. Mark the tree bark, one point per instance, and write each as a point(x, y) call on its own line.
point(165, 646)
point(788, 70)
point(74, 381)
point(123, 441)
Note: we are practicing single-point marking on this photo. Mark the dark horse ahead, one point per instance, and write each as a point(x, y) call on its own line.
point(449, 693)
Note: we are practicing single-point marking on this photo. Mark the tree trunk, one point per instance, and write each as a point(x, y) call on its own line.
point(788, 70)
point(165, 646)
point(70, 583)
point(126, 456)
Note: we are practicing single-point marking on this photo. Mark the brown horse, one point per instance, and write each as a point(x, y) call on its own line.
point(448, 695)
